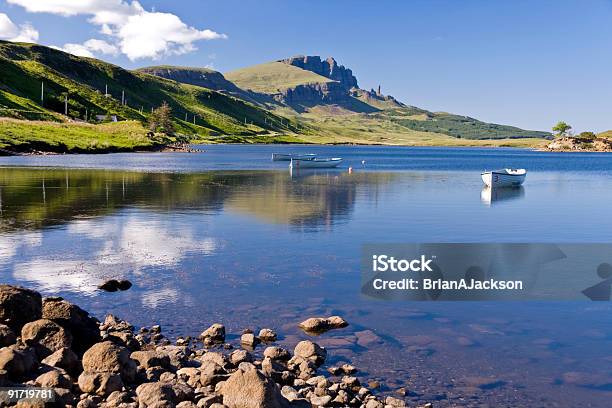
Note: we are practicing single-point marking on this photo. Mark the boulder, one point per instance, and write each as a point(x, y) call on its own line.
point(45, 336)
point(19, 306)
point(110, 358)
point(277, 353)
point(84, 328)
point(54, 379)
point(17, 362)
point(308, 350)
point(64, 358)
point(151, 358)
point(240, 356)
point(156, 394)
point(214, 334)
point(101, 384)
point(247, 387)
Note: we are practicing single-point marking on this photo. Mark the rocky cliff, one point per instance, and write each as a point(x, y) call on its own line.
point(328, 68)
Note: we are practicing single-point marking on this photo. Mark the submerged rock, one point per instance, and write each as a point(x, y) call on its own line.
point(318, 325)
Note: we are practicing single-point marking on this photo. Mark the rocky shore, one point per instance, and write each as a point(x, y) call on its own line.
point(578, 144)
point(54, 344)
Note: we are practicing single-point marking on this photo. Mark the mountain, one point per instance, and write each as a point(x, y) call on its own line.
point(298, 99)
point(94, 87)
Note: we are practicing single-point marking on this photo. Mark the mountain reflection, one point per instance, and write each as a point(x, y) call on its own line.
point(39, 198)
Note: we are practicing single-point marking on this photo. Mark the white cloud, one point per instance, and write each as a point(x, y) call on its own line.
point(134, 31)
point(11, 32)
point(89, 48)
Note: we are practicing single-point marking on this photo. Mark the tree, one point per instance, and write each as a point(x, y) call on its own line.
point(587, 135)
point(561, 129)
point(160, 120)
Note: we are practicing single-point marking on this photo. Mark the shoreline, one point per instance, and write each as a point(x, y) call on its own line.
point(54, 344)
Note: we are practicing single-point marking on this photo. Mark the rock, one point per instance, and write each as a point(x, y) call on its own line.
point(101, 384)
point(247, 387)
point(45, 336)
point(348, 369)
point(367, 338)
point(79, 323)
point(374, 404)
point(394, 402)
point(17, 363)
point(249, 340)
point(110, 358)
point(19, 306)
point(277, 353)
point(7, 336)
point(320, 401)
point(64, 358)
point(267, 335)
point(289, 393)
point(308, 350)
point(113, 285)
point(210, 400)
point(178, 355)
point(240, 356)
point(151, 358)
point(54, 379)
point(158, 395)
point(214, 334)
point(322, 324)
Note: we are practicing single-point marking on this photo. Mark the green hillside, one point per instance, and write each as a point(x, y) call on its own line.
point(25, 67)
point(272, 77)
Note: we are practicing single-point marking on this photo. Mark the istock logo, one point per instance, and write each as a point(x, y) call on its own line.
point(385, 263)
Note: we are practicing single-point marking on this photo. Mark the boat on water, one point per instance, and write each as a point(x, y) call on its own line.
point(315, 163)
point(288, 157)
point(504, 177)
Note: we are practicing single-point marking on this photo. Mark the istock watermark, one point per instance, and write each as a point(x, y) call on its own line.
point(473, 271)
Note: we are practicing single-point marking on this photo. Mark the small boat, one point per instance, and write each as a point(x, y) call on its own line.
point(288, 157)
point(315, 163)
point(504, 177)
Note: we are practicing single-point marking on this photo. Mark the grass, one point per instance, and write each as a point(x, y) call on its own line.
point(607, 134)
point(272, 77)
point(24, 136)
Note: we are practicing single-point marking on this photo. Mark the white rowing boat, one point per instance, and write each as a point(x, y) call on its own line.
point(288, 157)
point(315, 163)
point(504, 177)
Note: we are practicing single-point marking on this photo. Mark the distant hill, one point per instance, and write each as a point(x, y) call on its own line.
point(302, 98)
point(25, 67)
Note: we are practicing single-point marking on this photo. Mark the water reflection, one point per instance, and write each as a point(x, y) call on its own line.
point(492, 195)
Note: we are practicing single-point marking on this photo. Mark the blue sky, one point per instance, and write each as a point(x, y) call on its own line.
point(524, 63)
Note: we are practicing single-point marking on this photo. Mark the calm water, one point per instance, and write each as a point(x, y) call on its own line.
point(226, 235)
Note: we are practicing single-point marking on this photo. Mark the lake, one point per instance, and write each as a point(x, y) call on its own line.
point(228, 236)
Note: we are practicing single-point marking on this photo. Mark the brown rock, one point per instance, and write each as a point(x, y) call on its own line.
point(322, 324)
point(277, 353)
point(267, 335)
point(247, 387)
point(19, 306)
point(110, 358)
point(45, 336)
point(214, 334)
point(64, 358)
point(16, 362)
point(84, 328)
point(54, 379)
point(151, 358)
point(249, 340)
point(308, 350)
point(101, 384)
point(158, 395)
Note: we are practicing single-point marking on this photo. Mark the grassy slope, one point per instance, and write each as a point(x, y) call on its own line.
point(273, 76)
point(606, 134)
point(25, 66)
point(60, 137)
